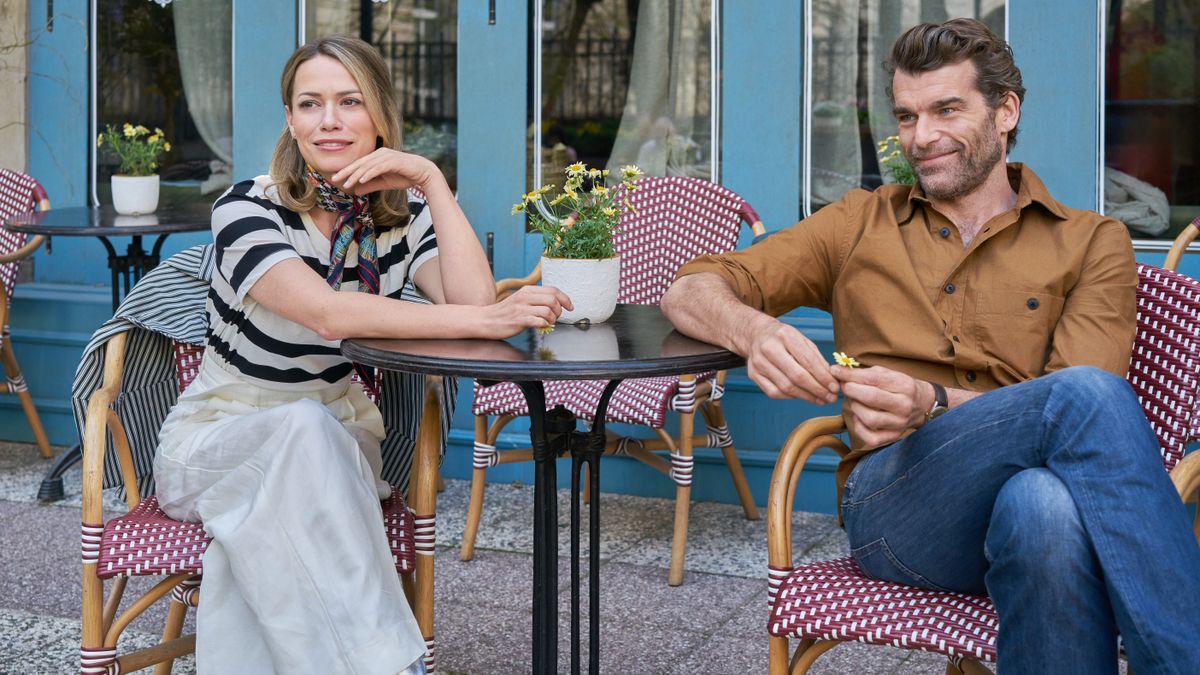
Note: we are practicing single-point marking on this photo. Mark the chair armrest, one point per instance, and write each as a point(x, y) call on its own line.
point(804, 440)
point(1179, 247)
point(1186, 476)
point(23, 252)
point(506, 287)
point(101, 422)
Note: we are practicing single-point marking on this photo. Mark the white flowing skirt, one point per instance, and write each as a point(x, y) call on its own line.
point(299, 577)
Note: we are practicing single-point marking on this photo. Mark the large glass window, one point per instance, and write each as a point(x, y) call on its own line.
point(1152, 102)
point(419, 41)
point(623, 82)
point(848, 114)
point(167, 65)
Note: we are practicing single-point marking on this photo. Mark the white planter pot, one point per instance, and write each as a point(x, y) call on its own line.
point(135, 195)
point(591, 285)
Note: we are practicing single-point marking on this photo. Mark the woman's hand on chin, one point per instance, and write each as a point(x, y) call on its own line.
point(385, 169)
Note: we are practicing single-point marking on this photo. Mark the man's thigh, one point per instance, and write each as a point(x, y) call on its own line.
point(917, 511)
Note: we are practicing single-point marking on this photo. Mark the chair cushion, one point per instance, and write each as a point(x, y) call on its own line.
point(146, 541)
point(637, 401)
point(833, 600)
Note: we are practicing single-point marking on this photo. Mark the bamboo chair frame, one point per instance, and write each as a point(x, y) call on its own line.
point(683, 444)
point(102, 625)
point(14, 380)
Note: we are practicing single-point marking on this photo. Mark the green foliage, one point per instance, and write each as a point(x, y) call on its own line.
point(892, 161)
point(135, 146)
point(578, 224)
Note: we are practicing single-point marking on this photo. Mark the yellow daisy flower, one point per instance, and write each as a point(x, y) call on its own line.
point(599, 190)
point(153, 138)
point(609, 211)
point(844, 360)
point(629, 172)
point(576, 169)
point(100, 140)
point(517, 208)
point(558, 200)
point(129, 131)
point(532, 196)
point(545, 329)
point(167, 147)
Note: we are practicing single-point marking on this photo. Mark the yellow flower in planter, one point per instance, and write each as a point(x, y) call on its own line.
point(844, 360)
point(576, 169)
point(135, 147)
point(578, 224)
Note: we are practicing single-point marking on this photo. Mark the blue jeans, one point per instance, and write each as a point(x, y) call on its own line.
point(1050, 497)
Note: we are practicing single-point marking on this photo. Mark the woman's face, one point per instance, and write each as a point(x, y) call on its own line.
point(328, 116)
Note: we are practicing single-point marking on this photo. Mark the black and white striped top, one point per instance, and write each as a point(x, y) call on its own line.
point(253, 232)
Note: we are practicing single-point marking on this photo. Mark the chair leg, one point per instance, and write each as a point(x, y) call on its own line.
point(682, 464)
point(466, 549)
point(714, 415)
point(777, 656)
point(17, 386)
point(807, 654)
point(171, 630)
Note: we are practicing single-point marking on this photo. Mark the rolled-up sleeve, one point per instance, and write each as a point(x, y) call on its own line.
point(791, 268)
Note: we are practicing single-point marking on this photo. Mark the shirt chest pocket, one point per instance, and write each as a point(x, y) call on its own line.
point(1015, 328)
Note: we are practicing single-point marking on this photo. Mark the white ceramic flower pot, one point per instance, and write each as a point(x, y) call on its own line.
point(591, 285)
point(135, 195)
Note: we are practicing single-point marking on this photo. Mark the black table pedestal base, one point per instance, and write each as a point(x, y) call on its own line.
point(552, 434)
point(51, 488)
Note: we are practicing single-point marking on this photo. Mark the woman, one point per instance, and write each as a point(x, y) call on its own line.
point(273, 447)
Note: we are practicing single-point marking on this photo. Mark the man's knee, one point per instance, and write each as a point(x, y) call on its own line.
point(1035, 521)
point(1093, 386)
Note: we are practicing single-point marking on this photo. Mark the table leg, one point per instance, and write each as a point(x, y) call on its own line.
point(588, 450)
point(545, 529)
point(51, 488)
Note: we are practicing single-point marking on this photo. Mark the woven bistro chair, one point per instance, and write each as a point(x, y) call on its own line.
point(142, 370)
point(674, 220)
point(19, 194)
point(825, 604)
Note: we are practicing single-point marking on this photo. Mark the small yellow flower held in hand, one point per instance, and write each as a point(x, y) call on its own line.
point(545, 329)
point(844, 360)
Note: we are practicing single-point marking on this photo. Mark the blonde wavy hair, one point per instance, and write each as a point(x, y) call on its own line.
point(388, 207)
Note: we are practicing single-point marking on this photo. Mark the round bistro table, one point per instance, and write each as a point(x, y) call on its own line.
point(638, 341)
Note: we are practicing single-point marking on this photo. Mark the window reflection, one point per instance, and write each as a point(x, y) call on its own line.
point(419, 41)
point(848, 111)
point(1152, 101)
point(625, 82)
point(168, 67)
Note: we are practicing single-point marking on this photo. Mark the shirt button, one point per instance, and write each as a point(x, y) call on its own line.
point(1031, 303)
point(945, 232)
point(955, 338)
point(949, 288)
point(970, 376)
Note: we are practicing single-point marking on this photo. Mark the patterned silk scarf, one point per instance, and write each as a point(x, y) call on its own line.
point(354, 223)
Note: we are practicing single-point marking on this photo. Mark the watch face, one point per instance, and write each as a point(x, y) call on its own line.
point(937, 410)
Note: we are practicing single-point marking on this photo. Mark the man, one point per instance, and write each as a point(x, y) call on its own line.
point(996, 447)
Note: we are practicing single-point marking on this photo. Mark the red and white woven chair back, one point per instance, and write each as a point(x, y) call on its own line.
point(19, 193)
point(675, 219)
point(1165, 367)
point(187, 365)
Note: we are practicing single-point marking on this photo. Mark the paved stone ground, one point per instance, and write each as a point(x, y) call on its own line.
point(713, 623)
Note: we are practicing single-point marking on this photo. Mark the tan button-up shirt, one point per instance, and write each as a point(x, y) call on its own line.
point(1040, 288)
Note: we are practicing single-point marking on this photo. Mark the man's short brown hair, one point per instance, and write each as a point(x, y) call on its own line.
point(928, 46)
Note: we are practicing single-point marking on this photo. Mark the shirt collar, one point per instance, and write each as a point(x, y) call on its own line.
point(1030, 190)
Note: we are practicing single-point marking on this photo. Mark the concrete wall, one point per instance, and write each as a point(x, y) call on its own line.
point(13, 66)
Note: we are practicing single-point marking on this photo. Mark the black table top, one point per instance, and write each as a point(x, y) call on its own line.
point(103, 221)
point(638, 341)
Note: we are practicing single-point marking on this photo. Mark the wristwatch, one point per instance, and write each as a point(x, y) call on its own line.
point(940, 403)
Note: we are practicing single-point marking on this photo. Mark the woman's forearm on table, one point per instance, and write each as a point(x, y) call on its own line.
point(463, 269)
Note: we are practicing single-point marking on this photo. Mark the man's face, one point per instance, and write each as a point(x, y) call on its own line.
point(947, 132)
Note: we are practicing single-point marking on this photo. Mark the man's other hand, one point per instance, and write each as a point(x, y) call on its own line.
point(785, 364)
point(882, 404)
